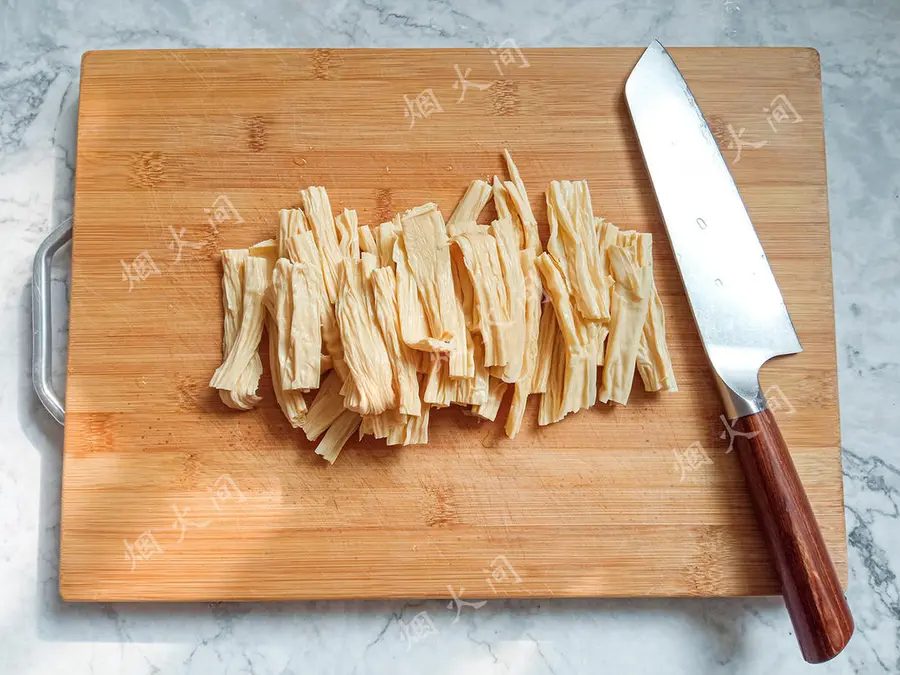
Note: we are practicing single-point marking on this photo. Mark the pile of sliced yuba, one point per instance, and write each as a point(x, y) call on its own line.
point(386, 323)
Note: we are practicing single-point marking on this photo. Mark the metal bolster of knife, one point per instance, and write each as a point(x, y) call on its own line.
point(738, 382)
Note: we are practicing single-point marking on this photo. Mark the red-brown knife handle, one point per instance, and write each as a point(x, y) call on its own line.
point(809, 581)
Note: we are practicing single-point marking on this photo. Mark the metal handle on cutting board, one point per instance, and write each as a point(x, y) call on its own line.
point(40, 316)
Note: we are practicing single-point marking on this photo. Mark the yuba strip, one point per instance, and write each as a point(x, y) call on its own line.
point(243, 396)
point(321, 221)
point(570, 203)
point(403, 359)
point(469, 208)
point(337, 435)
point(653, 360)
point(368, 244)
point(386, 238)
point(518, 198)
point(413, 321)
point(302, 248)
point(552, 408)
point(364, 349)
point(576, 333)
point(505, 234)
point(325, 408)
point(489, 409)
point(290, 222)
point(428, 257)
point(630, 301)
point(280, 293)
point(347, 226)
point(533, 304)
point(292, 403)
point(482, 261)
point(306, 330)
point(249, 334)
point(546, 341)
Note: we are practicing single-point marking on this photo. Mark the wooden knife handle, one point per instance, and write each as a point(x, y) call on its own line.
point(809, 581)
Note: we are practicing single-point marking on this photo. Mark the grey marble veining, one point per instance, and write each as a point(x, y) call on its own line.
point(41, 42)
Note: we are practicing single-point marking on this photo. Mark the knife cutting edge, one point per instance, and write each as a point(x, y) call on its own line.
point(743, 322)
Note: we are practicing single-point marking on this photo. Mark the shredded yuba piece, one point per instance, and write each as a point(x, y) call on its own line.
point(470, 206)
point(403, 360)
point(243, 396)
point(525, 384)
point(380, 325)
point(427, 249)
point(506, 237)
point(364, 348)
point(482, 261)
point(631, 296)
point(292, 403)
point(249, 333)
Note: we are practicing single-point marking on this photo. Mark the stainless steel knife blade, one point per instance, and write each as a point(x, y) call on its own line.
point(733, 294)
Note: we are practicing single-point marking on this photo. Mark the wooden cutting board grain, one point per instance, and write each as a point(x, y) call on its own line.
point(168, 495)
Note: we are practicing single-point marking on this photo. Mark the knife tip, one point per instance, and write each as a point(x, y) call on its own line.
point(650, 54)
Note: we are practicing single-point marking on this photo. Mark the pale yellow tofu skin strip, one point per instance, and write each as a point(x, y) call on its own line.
point(267, 250)
point(403, 359)
point(552, 407)
point(337, 435)
point(367, 243)
point(518, 198)
point(414, 430)
point(413, 322)
point(501, 204)
point(465, 215)
point(489, 409)
point(440, 389)
point(580, 390)
point(364, 349)
point(428, 257)
point(347, 226)
point(281, 299)
point(653, 360)
point(571, 206)
point(244, 396)
point(306, 330)
point(546, 344)
point(630, 301)
point(474, 391)
point(482, 261)
point(302, 249)
point(385, 238)
point(505, 234)
point(465, 298)
point(576, 333)
point(325, 408)
point(292, 403)
point(321, 221)
point(607, 234)
point(533, 296)
point(380, 426)
point(290, 222)
point(246, 342)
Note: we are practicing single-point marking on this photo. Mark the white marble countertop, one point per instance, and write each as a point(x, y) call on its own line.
point(41, 42)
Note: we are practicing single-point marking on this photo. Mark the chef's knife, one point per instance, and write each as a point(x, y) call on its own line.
point(743, 323)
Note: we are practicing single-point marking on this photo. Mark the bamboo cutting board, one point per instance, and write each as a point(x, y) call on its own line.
point(168, 495)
